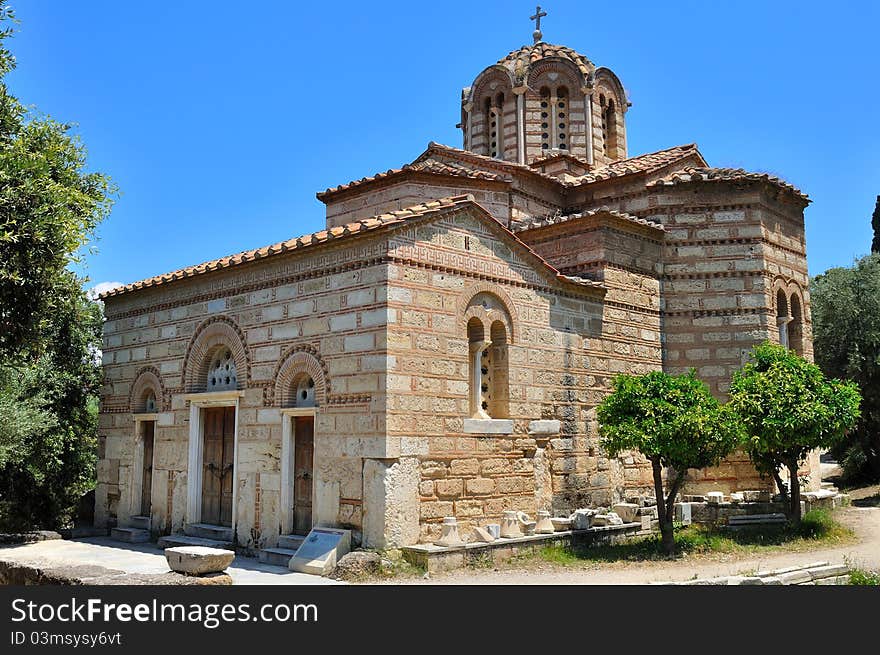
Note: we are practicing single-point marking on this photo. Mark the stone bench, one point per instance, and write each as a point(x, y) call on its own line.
point(198, 560)
point(754, 520)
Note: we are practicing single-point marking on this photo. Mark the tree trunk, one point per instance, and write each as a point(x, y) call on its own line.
point(795, 495)
point(666, 505)
point(779, 484)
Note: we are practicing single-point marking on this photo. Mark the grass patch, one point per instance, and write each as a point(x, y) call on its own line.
point(864, 578)
point(817, 528)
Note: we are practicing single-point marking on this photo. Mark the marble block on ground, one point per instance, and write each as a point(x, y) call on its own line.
point(320, 551)
point(198, 560)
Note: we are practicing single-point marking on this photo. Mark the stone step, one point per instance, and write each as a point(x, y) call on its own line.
point(140, 522)
point(291, 541)
point(130, 535)
point(208, 531)
point(277, 556)
point(173, 540)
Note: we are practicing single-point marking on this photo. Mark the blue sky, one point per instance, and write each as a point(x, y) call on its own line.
point(220, 120)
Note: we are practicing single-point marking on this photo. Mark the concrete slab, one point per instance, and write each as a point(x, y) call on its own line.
point(145, 558)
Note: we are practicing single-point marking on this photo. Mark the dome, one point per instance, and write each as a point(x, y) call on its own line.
point(520, 61)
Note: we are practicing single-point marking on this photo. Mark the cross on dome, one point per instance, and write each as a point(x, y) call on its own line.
point(537, 35)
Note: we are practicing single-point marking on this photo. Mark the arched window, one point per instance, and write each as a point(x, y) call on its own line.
point(796, 326)
point(478, 371)
point(782, 318)
point(561, 121)
point(222, 375)
point(494, 108)
point(609, 126)
point(546, 127)
point(498, 390)
point(488, 333)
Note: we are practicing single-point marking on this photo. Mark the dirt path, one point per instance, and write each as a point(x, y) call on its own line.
point(863, 517)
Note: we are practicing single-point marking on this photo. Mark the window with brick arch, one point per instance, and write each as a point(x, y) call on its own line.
point(783, 318)
point(497, 365)
point(494, 121)
point(796, 326)
point(561, 132)
point(609, 126)
point(488, 361)
point(546, 120)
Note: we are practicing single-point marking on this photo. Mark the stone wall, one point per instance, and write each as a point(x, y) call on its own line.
point(327, 306)
point(564, 349)
point(728, 248)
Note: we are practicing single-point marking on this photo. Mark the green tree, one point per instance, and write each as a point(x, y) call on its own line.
point(675, 422)
point(875, 223)
point(846, 339)
point(49, 329)
point(789, 408)
point(49, 208)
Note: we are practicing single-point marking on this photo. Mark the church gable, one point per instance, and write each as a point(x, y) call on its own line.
point(469, 241)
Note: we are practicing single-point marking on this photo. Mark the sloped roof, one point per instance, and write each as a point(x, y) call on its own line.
point(641, 164)
point(601, 211)
point(344, 231)
point(708, 174)
point(425, 166)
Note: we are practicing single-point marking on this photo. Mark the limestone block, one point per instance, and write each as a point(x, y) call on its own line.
point(626, 511)
point(494, 529)
point(582, 519)
point(481, 535)
point(526, 525)
point(449, 537)
point(544, 525)
point(198, 560)
point(683, 513)
point(487, 426)
point(510, 525)
point(715, 497)
point(544, 427)
point(561, 524)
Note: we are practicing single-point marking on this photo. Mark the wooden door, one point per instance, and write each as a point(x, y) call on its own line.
point(147, 484)
point(217, 465)
point(303, 458)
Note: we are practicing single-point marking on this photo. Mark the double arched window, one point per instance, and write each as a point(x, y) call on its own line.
point(554, 118)
point(790, 319)
point(488, 367)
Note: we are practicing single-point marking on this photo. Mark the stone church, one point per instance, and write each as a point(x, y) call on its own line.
point(439, 348)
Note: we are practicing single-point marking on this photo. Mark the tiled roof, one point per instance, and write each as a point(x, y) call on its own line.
point(434, 147)
point(640, 164)
point(531, 54)
point(427, 163)
point(324, 236)
point(426, 166)
point(705, 174)
point(553, 220)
